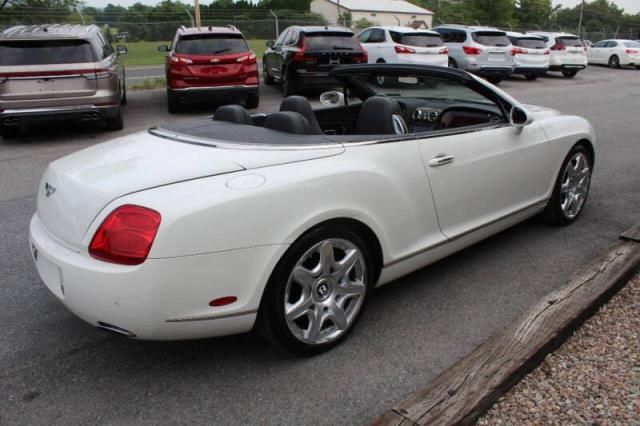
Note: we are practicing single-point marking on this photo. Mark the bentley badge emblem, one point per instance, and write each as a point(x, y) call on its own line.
point(49, 189)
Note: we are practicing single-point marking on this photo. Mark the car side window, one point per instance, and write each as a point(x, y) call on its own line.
point(377, 36)
point(444, 34)
point(458, 36)
point(107, 50)
point(612, 44)
point(282, 37)
point(599, 44)
point(291, 39)
point(364, 36)
point(395, 36)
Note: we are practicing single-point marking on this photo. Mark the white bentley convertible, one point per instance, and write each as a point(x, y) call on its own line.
point(287, 221)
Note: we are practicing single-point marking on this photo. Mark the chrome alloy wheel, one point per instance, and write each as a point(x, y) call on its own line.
point(574, 186)
point(325, 291)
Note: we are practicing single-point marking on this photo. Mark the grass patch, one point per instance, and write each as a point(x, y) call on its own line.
point(148, 84)
point(146, 52)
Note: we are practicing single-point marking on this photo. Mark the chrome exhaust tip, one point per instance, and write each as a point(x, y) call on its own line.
point(114, 329)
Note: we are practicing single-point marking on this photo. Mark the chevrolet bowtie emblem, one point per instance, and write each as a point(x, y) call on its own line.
point(49, 189)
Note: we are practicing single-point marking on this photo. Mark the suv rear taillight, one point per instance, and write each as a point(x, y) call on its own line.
point(444, 51)
point(98, 74)
point(518, 51)
point(300, 55)
point(247, 59)
point(470, 50)
point(403, 49)
point(558, 46)
point(126, 235)
point(180, 60)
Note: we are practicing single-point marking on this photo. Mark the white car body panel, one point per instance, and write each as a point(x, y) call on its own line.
point(230, 214)
point(385, 51)
point(626, 55)
point(572, 57)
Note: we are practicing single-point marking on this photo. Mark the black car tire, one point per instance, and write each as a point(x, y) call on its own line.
point(117, 122)
point(252, 101)
point(172, 103)
point(531, 76)
point(552, 214)
point(453, 63)
point(268, 79)
point(494, 79)
point(569, 73)
point(289, 88)
point(10, 132)
point(123, 99)
point(272, 322)
point(614, 62)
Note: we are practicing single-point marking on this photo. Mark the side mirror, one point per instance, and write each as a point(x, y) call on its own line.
point(122, 50)
point(333, 98)
point(163, 48)
point(519, 117)
point(269, 43)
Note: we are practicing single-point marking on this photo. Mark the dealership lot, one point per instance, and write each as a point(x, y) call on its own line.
point(51, 361)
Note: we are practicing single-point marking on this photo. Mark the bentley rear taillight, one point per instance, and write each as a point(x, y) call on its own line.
point(125, 237)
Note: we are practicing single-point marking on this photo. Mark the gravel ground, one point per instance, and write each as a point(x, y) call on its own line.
point(594, 378)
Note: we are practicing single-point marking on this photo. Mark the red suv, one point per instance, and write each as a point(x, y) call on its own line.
point(211, 64)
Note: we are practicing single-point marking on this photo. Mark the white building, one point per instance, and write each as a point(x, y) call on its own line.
point(380, 12)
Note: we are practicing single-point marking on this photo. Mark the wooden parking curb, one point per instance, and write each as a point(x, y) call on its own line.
point(460, 394)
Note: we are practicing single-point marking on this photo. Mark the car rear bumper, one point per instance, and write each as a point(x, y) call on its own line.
point(567, 67)
point(488, 71)
point(528, 69)
point(214, 93)
point(83, 113)
point(161, 299)
point(435, 60)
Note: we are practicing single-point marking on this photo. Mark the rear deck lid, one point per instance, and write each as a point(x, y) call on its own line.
point(46, 69)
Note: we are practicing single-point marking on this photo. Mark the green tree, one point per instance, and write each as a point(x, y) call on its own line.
point(533, 12)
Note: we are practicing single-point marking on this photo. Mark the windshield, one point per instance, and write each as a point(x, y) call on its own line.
point(528, 43)
point(211, 44)
point(417, 39)
point(570, 41)
point(491, 38)
point(331, 41)
point(43, 52)
point(419, 87)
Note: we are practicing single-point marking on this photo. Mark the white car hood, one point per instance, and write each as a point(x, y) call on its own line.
point(80, 185)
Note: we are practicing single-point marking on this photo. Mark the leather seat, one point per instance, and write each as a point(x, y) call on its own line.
point(288, 122)
point(380, 115)
point(233, 114)
point(301, 105)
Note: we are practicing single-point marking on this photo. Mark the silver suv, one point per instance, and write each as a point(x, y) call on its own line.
point(59, 72)
point(484, 51)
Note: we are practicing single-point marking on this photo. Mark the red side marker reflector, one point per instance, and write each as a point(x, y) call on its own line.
point(222, 301)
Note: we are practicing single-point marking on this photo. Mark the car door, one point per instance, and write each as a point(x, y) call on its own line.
point(611, 49)
point(480, 174)
point(274, 57)
point(595, 52)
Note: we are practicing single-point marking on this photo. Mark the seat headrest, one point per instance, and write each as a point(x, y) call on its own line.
point(301, 105)
point(376, 116)
point(233, 114)
point(289, 122)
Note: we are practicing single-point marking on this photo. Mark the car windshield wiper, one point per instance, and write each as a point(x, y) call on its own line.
point(222, 50)
point(342, 48)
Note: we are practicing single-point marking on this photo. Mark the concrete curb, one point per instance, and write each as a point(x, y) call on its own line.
point(460, 394)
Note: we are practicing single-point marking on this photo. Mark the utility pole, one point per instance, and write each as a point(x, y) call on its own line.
point(193, 23)
point(197, 7)
point(580, 20)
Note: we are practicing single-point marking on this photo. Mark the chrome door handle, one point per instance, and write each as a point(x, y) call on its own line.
point(441, 160)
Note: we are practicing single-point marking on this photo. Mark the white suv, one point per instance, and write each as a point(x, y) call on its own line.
point(530, 55)
point(485, 51)
point(403, 45)
point(568, 53)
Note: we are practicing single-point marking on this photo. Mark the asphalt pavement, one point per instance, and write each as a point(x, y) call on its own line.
point(55, 369)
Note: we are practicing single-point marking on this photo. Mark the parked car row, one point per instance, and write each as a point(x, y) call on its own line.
point(71, 72)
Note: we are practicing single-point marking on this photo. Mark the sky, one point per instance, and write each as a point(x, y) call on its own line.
point(630, 6)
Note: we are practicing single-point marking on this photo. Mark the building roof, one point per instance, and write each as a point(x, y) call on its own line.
point(48, 31)
point(398, 6)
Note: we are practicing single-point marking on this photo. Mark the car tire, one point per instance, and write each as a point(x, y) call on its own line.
point(531, 77)
point(10, 132)
point(569, 73)
point(570, 183)
point(324, 294)
point(117, 122)
point(494, 79)
point(172, 103)
point(453, 63)
point(614, 62)
point(288, 87)
point(252, 101)
point(123, 99)
point(268, 79)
